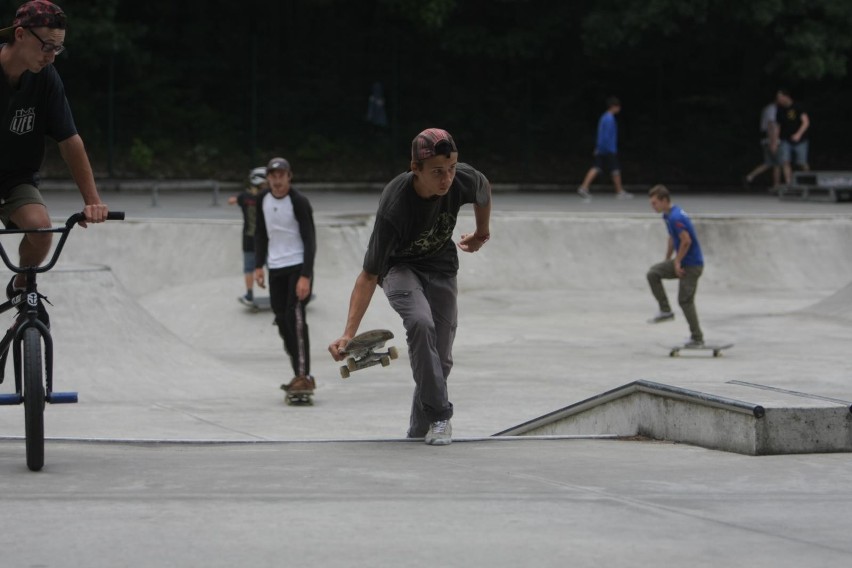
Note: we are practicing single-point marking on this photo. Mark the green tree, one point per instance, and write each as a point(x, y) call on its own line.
point(795, 39)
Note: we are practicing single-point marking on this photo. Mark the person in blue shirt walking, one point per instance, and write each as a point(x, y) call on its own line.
point(687, 264)
point(606, 152)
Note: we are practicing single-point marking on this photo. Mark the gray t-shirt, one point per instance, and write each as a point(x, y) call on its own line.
point(418, 232)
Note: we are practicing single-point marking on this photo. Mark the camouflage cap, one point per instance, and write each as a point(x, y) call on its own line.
point(37, 14)
point(424, 144)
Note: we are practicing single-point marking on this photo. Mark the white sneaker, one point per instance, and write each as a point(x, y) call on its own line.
point(584, 193)
point(661, 317)
point(694, 343)
point(440, 433)
point(624, 195)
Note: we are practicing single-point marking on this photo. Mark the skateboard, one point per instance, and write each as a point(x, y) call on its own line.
point(716, 348)
point(298, 398)
point(259, 303)
point(361, 351)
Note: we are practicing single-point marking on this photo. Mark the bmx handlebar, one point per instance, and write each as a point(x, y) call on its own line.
point(64, 231)
point(80, 217)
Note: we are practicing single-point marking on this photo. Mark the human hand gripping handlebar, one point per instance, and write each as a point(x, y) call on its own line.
point(63, 230)
point(78, 217)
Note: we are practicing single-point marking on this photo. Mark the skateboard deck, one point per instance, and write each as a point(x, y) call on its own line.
point(258, 304)
point(361, 351)
point(716, 348)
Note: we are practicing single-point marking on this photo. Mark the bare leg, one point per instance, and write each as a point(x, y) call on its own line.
point(756, 172)
point(788, 173)
point(249, 281)
point(590, 177)
point(616, 181)
point(34, 247)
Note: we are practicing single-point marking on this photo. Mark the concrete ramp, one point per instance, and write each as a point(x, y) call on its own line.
point(837, 305)
point(788, 423)
point(553, 311)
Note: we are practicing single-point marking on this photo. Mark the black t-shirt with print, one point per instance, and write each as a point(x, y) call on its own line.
point(418, 232)
point(35, 109)
point(789, 121)
point(247, 201)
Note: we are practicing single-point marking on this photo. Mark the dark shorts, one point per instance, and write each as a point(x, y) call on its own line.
point(607, 163)
point(248, 262)
point(17, 197)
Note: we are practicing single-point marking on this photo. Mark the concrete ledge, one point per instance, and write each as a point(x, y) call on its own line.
point(663, 412)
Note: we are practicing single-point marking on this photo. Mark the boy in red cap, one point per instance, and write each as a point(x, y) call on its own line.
point(412, 256)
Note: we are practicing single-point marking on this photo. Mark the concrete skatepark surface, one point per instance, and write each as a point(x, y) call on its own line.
point(180, 418)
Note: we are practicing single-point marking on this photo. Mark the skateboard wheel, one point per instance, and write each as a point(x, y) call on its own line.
point(344, 372)
point(393, 353)
point(673, 353)
point(385, 361)
point(351, 364)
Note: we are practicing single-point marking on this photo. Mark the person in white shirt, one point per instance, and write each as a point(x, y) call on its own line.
point(285, 241)
point(770, 156)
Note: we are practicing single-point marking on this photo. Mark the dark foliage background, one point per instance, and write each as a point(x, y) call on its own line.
point(196, 88)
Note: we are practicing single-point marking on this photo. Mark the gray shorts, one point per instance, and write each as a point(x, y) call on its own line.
point(789, 152)
point(17, 197)
point(770, 158)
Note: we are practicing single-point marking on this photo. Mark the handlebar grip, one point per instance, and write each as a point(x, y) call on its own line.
point(80, 217)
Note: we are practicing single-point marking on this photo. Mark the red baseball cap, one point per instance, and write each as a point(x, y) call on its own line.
point(423, 145)
point(36, 14)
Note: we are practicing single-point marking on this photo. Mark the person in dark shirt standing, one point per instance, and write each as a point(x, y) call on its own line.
point(247, 200)
point(791, 139)
point(285, 241)
point(33, 106)
point(411, 254)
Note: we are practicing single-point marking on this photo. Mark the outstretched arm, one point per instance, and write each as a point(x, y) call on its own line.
point(359, 301)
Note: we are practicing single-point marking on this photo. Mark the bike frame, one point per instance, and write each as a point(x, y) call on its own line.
point(29, 318)
point(32, 346)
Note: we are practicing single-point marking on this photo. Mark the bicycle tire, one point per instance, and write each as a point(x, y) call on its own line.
point(34, 399)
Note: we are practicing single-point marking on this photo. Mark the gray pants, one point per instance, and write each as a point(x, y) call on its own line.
point(685, 295)
point(427, 305)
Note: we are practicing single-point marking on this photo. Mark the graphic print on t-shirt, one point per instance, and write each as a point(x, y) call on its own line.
point(23, 120)
point(432, 239)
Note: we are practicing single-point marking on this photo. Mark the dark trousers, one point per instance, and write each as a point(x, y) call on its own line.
point(290, 317)
point(427, 305)
point(686, 292)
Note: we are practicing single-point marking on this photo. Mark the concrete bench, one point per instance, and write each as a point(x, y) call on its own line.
point(822, 186)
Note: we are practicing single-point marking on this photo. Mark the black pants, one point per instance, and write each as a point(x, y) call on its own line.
point(290, 317)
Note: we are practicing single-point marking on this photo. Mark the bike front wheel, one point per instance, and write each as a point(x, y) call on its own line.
point(34, 399)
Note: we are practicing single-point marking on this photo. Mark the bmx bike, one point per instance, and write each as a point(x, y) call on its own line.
point(32, 345)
